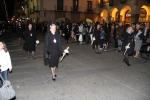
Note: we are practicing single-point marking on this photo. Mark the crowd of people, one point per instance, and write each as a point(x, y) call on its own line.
point(127, 38)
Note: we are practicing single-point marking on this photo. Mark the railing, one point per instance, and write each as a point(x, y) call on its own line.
point(58, 8)
point(75, 9)
point(90, 10)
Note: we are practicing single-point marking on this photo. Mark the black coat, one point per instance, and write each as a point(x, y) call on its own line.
point(49, 49)
point(20, 31)
point(67, 33)
point(30, 39)
point(128, 38)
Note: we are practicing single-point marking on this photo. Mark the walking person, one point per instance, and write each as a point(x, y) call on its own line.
point(96, 35)
point(119, 35)
point(20, 32)
point(52, 48)
point(67, 33)
point(91, 31)
point(128, 47)
point(5, 62)
point(30, 39)
point(139, 38)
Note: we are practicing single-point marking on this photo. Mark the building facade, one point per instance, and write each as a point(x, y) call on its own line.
point(126, 11)
point(74, 10)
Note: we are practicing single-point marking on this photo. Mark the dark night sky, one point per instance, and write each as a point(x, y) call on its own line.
point(10, 9)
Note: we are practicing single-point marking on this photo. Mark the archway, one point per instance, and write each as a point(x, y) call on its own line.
point(144, 14)
point(104, 16)
point(125, 15)
point(114, 15)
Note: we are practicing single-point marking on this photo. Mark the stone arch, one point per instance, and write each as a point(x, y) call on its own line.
point(104, 16)
point(144, 14)
point(125, 14)
point(114, 14)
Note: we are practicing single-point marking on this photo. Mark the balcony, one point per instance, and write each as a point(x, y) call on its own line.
point(57, 8)
point(75, 9)
point(89, 11)
point(36, 8)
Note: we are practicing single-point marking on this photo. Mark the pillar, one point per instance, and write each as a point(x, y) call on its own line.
point(135, 18)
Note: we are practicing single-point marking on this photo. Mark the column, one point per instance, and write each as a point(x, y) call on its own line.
point(135, 18)
point(118, 20)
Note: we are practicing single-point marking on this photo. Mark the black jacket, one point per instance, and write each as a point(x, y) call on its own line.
point(49, 49)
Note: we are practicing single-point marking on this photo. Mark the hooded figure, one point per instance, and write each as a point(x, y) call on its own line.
point(52, 48)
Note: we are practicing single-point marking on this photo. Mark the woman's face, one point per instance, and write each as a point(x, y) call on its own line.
point(67, 26)
point(19, 23)
point(1, 46)
point(98, 26)
point(130, 30)
point(30, 26)
point(53, 28)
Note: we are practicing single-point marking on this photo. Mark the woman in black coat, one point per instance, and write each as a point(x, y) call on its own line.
point(30, 39)
point(52, 48)
point(67, 33)
point(20, 32)
point(96, 35)
point(128, 47)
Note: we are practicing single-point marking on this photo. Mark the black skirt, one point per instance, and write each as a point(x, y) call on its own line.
point(53, 61)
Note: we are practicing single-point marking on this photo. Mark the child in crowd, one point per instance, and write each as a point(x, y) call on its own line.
point(5, 61)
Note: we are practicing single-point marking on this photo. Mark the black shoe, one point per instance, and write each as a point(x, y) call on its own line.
point(99, 52)
point(96, 52)
point(124, 60)
point(127, 63)
point(53, 78)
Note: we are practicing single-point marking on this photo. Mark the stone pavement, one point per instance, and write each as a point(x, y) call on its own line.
point(82, 75)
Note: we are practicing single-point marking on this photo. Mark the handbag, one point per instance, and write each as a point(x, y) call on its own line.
point(6, 91)
point(80, 37)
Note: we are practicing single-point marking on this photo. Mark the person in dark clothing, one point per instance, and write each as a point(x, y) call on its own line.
point(20, 32)
point(119, 35)
point(30, 39)
point(96, 36)
point(114, 36)
point(52, 48)
point(76, 31)
point(128, 47)
point(107, 34)
point(67, 33)
point(14, 27)
point(44, 28)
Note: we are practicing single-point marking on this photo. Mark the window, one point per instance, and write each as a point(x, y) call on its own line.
point(60, 4)
point(89, 6)
point(75, 5)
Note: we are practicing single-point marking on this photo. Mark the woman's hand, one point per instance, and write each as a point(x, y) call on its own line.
point(64, 53)
point(10, 69)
